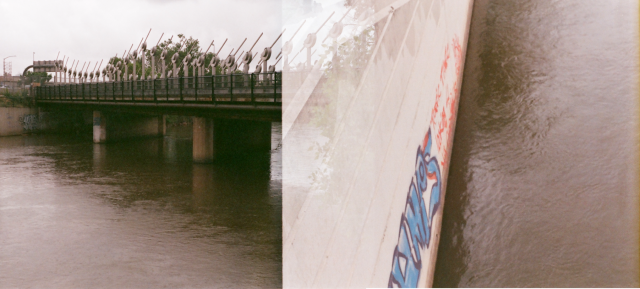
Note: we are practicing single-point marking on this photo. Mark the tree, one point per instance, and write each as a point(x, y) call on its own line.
point(31, 77)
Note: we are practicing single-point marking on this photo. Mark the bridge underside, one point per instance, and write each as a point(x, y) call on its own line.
point(269, 113)
point(219, 131)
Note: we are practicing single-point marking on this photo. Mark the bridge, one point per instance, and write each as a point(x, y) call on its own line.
point(241, 107)
point(254, 96)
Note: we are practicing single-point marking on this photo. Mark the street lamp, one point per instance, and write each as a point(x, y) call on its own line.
point(4, 72)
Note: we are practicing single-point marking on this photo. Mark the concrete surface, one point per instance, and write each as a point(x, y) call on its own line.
point(18, 120)
point(365, 167)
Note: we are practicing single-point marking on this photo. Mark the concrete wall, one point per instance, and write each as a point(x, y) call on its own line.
point(18, 120)
point(364, 179)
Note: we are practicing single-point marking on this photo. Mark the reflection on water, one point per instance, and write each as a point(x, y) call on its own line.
point(542, 187)
point(137, 214)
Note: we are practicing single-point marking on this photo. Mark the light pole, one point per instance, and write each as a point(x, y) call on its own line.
point(4, 72)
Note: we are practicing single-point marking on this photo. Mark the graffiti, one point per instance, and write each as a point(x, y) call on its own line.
point(417, 219)
point(425, 191)
point(30, 122)
point(443, 112)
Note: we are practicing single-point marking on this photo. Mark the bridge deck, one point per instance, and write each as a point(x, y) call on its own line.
point(239, 89)
point(241, 94)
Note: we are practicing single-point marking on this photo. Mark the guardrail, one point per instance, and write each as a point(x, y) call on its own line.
point(249, 89)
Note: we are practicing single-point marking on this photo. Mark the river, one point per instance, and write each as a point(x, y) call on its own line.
point(543, 184)
point(137, 214)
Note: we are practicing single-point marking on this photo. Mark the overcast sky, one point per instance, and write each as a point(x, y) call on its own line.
point(91, 30)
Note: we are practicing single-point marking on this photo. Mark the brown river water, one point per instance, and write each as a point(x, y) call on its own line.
point(137, 214)
point(543, 184)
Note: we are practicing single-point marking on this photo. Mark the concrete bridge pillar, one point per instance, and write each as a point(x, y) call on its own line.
point(203, 150)
point(99, 127)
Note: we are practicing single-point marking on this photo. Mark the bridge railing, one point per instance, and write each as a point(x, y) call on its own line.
point(263, 88)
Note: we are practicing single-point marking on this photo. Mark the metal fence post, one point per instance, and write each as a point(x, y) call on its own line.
point(180, 82)
point(153, 85)
point(253, 98)
point(213, 88)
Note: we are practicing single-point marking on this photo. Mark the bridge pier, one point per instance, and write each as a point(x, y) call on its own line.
point(217, 138)
point(116, 126)
point(203, 146)
point(99, 127)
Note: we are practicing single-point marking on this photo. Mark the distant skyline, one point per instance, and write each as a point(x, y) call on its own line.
point(91, 30)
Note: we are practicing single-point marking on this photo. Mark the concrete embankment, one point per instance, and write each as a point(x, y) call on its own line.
point(21, 120)
point(369, 211)
point(17, 120)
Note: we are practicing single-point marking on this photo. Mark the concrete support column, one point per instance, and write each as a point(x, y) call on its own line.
point(203, 150)
point(99, 127)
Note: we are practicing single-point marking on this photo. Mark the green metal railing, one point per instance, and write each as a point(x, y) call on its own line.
point(249, 89)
